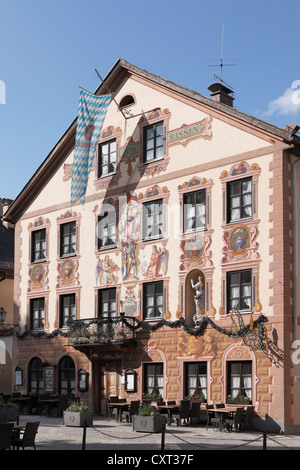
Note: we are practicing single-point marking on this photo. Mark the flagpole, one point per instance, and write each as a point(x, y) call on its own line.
point(110, 93)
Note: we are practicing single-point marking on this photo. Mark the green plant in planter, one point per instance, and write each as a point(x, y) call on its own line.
point(77, 407)
point(148, 410)
point(8, 404)
point(242, 398)
point(152, 396)
point(195, 396)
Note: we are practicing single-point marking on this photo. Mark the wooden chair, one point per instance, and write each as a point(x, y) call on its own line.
point(27, 437)
point(6, 434)
point(236, 421)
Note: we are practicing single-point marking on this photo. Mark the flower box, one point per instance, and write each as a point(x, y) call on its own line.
point(148, 423)
point(78, 418)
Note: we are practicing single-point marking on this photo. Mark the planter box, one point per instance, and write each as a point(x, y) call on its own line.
point(9, 413)
point(238, 403)
point(148, 423)
point(78, 418)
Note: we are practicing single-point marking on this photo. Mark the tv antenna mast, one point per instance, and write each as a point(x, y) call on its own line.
point(221, 64)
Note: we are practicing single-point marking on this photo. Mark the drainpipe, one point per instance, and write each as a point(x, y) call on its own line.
point(294, 235)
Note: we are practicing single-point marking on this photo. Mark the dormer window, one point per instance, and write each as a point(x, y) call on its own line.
point(128, 100)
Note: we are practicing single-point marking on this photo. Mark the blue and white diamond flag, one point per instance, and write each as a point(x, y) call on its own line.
point(91, 114)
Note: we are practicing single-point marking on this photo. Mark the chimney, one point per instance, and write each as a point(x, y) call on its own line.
point(221, 93)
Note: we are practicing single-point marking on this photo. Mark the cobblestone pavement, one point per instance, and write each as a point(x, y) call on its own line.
point(108, 435)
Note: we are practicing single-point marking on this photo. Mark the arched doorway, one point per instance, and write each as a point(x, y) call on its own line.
point(195, 296)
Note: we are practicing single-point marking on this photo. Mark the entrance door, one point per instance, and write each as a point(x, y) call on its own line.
point(109, 383)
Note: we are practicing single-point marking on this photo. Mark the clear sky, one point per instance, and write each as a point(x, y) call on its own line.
point(48, 48)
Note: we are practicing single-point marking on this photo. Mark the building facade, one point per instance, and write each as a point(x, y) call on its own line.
point(183, 249)
point(6, 298)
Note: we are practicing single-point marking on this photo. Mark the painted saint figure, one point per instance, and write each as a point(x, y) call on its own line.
point(199, 298)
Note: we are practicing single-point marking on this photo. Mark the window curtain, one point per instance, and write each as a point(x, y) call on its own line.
point(203, 385)
point(247, 383)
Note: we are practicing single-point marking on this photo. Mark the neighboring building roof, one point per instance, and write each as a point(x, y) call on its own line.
point(119, 71)
point(6, 250)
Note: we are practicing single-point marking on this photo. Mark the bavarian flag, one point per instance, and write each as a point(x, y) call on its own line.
point(91, 114)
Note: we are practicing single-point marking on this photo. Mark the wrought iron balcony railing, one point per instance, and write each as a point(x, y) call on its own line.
point(93, 331)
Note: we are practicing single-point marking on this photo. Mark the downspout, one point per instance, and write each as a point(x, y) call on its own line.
point(295, 236)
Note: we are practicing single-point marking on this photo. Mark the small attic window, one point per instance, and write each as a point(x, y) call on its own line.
point(126, 101)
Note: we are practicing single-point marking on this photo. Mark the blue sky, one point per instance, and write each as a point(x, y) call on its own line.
point(50, 48)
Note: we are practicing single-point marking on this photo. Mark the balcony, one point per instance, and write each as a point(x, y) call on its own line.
point(95, 331)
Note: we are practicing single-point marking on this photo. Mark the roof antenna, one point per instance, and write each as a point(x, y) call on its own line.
point(221, 64)
point(221, 91)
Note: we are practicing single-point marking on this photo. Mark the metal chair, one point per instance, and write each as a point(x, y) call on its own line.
point(212, 418)
point(236, 421)
point(27, 437)
point(183, 413)
point(6, 434)
point(133, 408)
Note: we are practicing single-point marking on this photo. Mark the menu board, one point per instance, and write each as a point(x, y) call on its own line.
point(48, 379)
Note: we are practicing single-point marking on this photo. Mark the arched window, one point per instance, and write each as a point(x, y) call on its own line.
point(36, 383)
point(67, 376)
point(126, 101)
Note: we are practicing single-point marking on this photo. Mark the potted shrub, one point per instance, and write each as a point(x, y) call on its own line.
point(8, 411)
point(148, 419)
point(239, 400)
point(78, 414)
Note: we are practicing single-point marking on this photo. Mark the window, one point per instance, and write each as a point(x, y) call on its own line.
point(153, 299)
point(67, 309)
point(38, 245)
point(194, 211)
point(36, 382)
point(239, 285)
point(153, 142)
point(153, 379)
point(67, 376)
point(107, 158)
point(68, 239)
point(107, 303)
point(196, 378)
point(239, 198)
point(239, 375)
point(37, 313)
point(107, 230)
point(153, 219)
point(126, 101)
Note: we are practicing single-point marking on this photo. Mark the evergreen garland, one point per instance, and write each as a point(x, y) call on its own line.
point(195, 331)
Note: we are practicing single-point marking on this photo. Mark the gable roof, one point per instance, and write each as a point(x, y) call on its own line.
point(119, 71)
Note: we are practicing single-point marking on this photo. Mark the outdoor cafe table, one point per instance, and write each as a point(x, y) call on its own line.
point(49, 402)
point(121, 406)
point(224, 412)
point(169, 409)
